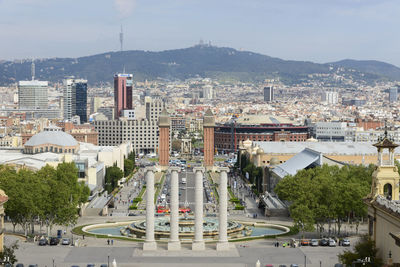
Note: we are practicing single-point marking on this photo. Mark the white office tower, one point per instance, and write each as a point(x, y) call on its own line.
point(330, 98)
point(33, 94)
point(208, 92)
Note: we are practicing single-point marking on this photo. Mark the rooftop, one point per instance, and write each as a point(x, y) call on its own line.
point(58, 138)
point(262, 119)
point(327, 148)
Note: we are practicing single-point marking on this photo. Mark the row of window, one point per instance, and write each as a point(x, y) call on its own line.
point(29, 150)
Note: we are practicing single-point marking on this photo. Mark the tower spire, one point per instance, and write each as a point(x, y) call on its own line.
point(121, 38)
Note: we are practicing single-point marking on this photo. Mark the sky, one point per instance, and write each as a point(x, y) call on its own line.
point(311, 30)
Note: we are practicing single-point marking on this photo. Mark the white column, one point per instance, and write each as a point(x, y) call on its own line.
point(174, 243)
point(150, 243)
point(223, 209)
point(198, 242)
point(380, 157)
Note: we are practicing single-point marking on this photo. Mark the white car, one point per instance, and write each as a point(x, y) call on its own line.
point(332, 243)
point(65, 241)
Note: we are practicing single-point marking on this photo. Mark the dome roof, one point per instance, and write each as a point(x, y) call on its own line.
point(274, 161)
point(58, 138)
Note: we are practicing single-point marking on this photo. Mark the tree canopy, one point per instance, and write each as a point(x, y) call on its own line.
point(322, 194)
point(50, 195)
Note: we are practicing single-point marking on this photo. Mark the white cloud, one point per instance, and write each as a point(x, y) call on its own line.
point(125, 7)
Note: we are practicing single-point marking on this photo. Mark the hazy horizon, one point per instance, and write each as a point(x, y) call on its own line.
point(320, 31)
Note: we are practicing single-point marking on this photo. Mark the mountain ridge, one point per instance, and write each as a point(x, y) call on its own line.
point(196, 61)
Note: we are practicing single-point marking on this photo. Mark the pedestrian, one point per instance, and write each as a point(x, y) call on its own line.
point(108, 241)
point(83, 237)
point(112, 242)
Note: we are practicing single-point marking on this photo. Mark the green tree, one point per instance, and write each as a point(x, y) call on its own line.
point(128, 167)
point(326, 193)
point(132, 157)
point(365, 248)
point(8, 253)
point(113, 174)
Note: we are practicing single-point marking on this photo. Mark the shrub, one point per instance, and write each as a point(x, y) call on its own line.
point(239, 207)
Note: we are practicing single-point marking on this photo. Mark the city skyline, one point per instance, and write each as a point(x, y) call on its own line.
point(318, 31)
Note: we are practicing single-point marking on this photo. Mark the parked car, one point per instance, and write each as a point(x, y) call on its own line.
point(33, 265)
point(43, 242)
point(324, 242)
point(345, 242)
point(19, 265)
point(305, 242)
point(314, 243)
point(54, 241)
point(66, 241)
point(104, 265)
point(294, 265)
point(332, 243)
point(90, 265)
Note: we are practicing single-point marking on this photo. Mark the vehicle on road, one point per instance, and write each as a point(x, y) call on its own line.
point(332, 243)
point(183, 180)
point(66, 241)
point(314, 243)
point(324, 242)
point(305, 242)
point(345, 242)
point(43, 242)
point(54, 241)
point(294, 265)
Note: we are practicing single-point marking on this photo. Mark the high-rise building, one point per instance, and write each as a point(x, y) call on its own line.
point(153, 108)
point(75, 99)
point(330, 97)
point(122, 93)
point(393, 94)
point(208, 92)
point(33, 94)
point(268, 93)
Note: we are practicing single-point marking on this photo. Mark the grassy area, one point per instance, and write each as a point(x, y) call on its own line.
point(159, 186)
point(214, 186)
point(153, 159)
point(141, 193)
point(219, 159)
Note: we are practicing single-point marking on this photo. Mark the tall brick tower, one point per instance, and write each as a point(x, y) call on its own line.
point(164, 135)
point(208, 132)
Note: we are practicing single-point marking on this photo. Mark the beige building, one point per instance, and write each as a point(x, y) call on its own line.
point(3, 200)
point(384, 205)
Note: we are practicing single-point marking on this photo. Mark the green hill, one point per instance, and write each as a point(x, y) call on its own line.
point(198, 61)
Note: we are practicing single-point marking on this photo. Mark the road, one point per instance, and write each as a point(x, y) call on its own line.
point(130, 254)
point(187, 191)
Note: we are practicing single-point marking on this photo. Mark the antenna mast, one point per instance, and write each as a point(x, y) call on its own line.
point(121, 38)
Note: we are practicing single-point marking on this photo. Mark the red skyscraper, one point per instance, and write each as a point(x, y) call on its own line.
point(122, 93)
